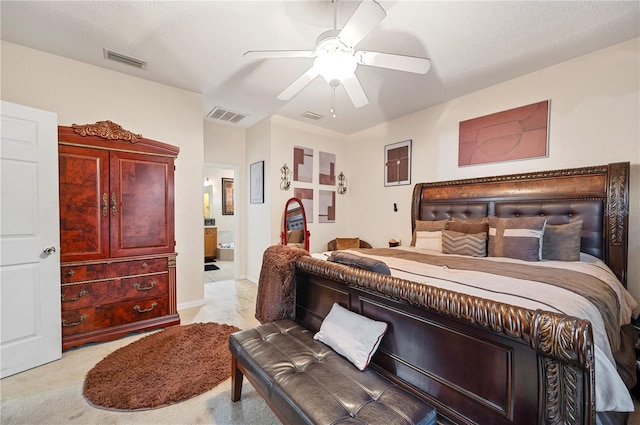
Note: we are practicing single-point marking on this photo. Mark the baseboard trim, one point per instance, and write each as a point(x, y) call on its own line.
point(191, 304)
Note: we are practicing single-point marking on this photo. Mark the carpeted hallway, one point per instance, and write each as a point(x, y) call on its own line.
point(52, 394)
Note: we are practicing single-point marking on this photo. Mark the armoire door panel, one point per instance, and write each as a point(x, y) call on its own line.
point(143, 219)
point(84, 213)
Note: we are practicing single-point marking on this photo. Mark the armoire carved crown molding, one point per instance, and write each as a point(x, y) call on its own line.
point(106, 130)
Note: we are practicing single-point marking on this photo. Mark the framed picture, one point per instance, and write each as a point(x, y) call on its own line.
point(302, 164)
point(327, 171)
point(397, 163)
point(514, 134)
point(227, 196)
point(256, 174)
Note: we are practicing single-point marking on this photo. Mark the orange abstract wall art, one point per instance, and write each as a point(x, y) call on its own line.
point(505, 136)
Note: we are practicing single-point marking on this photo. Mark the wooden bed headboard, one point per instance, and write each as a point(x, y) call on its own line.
point(598, 195)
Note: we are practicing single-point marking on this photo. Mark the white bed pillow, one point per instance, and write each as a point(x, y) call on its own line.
point(351, 335)
point(429, 240)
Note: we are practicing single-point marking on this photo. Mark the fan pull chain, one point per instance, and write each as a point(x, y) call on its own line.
point(333, 102)
point(335, 14)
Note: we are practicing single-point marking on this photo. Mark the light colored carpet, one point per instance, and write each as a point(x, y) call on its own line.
point(52, 393)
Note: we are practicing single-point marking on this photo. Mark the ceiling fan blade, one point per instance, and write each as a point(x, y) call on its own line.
point(267, 54)
point(355, 91)
point(368, 14)
point(298, 84)
point(391, 61)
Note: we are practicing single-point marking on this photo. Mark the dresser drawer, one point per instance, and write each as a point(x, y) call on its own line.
point(103, 271)
point(99, 317)
point(79, 320)
point(74, 296)
point(131, 311)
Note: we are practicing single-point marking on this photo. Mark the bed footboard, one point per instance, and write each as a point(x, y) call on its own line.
point(477, 361)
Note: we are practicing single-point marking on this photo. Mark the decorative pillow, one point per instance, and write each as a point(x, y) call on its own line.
point(518, 237)
point(429, 240)
point(562, 242)
point(473, 244)
point(469, 225)
point(364, 263)
point(295, 236)
point(351, 335)
point(428, 226)
point(347, 243)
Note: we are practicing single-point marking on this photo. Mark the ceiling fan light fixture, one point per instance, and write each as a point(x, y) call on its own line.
point(334, 66)
point(334, 60)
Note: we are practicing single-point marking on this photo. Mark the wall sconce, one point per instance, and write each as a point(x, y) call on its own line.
point(285, 181)
point(342, 183)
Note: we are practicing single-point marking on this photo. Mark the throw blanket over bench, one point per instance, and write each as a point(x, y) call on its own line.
point(305, 382)
point(277, 288)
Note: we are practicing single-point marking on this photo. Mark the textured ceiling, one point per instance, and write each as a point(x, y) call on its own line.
point(198, 46)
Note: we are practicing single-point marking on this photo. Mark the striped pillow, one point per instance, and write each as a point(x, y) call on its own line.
point(473, 244)
point(427, 226)
point(429, 240)
point(518, 237)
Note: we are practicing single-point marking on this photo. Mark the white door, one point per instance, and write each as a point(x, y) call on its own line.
point(29, 239)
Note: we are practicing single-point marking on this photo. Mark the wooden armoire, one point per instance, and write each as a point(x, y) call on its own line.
point(118, 259)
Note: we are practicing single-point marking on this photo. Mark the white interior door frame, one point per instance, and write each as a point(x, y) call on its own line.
point(236, 213)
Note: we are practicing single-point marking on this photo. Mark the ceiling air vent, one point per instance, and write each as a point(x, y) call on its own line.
point(312, 115)
point(222, 114)
point(108, 54)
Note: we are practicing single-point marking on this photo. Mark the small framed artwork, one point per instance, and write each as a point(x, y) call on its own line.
point(256, 174)
point(302, 164)
point(327, 200)
point(327, 172)
point(397, 163)
point(227, 196)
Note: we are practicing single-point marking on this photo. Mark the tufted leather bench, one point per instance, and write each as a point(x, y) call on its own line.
point(306, 382)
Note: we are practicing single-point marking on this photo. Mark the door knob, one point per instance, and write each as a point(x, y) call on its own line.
point(49, 250)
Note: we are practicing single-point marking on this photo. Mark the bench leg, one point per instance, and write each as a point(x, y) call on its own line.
point(236, 380)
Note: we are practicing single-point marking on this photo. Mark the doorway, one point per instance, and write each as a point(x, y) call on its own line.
point(220, 222)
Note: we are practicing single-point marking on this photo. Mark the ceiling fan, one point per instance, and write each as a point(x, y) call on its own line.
point(335, 57)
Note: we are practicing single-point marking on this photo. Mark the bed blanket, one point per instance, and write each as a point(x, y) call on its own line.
point(508, 280)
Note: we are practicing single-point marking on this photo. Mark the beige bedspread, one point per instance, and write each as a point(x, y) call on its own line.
point(586, 289)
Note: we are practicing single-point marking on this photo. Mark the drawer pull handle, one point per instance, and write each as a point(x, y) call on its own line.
point(105, 204)
point(114, 204)
point(141, 310)
point(137, 286)
point(71, 272)
point(67, 325)
point(80, 295)
point(144, 264)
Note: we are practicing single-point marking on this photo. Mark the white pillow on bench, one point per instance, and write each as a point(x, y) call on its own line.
point(351, 335)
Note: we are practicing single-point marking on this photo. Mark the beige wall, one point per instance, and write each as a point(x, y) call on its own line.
point(81, 93)
point(595, 105)
point(285, 135)
point(258, 216)
point(594, 120)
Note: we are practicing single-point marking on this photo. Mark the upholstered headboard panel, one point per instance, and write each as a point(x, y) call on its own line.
point(562, 212)
point(447, 211)
point(597, 195)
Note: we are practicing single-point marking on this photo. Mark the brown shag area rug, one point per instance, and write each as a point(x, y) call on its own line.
point(163, 368)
